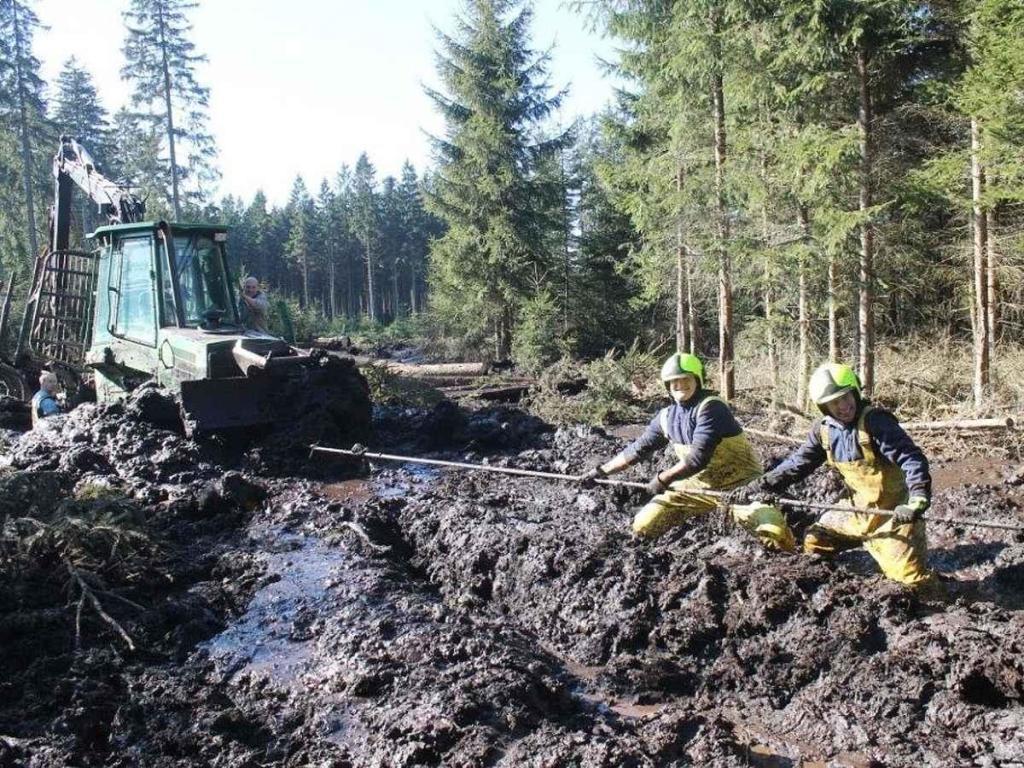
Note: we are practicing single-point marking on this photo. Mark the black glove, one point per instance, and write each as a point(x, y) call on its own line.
point(756, 490)
point(911, 512)
point(589, 480)
point(656, 485)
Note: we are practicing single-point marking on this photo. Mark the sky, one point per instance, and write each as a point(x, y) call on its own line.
point(303, 86)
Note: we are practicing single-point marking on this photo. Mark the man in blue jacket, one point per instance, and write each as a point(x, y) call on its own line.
point(882, 468)
point(712, 453)
point(44, 402)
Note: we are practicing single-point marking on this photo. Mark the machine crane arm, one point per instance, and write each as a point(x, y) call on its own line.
point(73, 166)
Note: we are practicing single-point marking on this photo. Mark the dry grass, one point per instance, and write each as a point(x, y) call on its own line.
point(919, 379)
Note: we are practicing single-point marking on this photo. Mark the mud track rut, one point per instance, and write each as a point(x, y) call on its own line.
point(510, 623)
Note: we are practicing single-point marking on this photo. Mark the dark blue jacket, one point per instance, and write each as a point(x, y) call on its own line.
point(887, 436)
point(684, 427)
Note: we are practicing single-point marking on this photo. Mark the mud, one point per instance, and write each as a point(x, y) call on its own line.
point(422, 617)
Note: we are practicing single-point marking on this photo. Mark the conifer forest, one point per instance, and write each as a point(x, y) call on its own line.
point(683, 431)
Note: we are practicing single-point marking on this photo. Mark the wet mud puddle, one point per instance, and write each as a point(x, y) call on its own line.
point(273, 639)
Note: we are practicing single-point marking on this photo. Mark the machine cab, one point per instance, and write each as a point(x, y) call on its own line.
point(153, 278)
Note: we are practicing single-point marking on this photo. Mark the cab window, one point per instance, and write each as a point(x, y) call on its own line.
point(136, 305)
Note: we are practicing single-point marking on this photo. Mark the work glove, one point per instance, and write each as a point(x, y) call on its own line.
point(656, 485)
point(911, 512)
point(589, 479)
point(756, 490)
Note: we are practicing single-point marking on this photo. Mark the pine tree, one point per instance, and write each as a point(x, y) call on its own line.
point(77, 112)
point(161, 61)
point(488, 189)
point(135, 160)
point(298, 249)
point(417, 227)
point(328, 241)
point(365, 223)
point(22, 108)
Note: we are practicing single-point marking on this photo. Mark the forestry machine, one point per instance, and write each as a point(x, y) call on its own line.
point(155, 301)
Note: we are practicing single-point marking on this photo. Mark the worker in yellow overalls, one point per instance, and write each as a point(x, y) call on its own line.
point(712, 453)
point(882, 468)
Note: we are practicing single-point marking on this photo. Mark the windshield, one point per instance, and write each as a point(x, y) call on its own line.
point(203, 282)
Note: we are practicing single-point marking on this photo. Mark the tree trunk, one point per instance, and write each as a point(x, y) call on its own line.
point(993, 283)
point(866, 296)
point(834, 353)
point(769, 319)
point(413, 306)
point(333, 288)
point(170, 114)
point(803, 360)
point(371, 302)
point(981, 372)
point(683, 341)
point(305, 280)
point(725, 339)
point(503, 335)
point(691, 307)
point(394, 292)
point(26, 151)
point(351, 309)
point(769, 289)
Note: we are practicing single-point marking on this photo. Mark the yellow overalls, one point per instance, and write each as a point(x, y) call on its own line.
point(732, 464)
point(875, 483)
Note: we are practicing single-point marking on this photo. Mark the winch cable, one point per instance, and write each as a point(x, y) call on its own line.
point(634, 484)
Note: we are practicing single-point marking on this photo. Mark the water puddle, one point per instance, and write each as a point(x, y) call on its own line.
point(416, 477)
point(271, 640)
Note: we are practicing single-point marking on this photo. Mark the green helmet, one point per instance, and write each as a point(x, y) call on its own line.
point(682, 364)
point(831, 381)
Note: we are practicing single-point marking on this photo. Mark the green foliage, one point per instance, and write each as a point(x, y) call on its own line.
point(27, 135)
point(77, 112)
point(539, 337)
point(491, 189)
point(160, 62)
point(620, 389)
point(389, 388)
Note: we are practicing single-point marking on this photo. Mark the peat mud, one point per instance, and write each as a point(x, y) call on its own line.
point(427, 617)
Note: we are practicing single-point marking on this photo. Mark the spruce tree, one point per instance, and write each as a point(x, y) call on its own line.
point(298, 249)
point(77, 112)
point(487, 189)
point(365, 223)
point(161, 62)
point(22, 107)
point(135, 160)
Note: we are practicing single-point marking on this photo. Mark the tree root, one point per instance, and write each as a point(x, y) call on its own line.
point(87, 594)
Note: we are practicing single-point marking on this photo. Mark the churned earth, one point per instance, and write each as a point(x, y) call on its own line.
point(288, 611)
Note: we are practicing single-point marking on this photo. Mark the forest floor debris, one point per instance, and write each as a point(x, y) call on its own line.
point(422, 617)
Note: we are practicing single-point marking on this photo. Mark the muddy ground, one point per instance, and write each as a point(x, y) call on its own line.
point(284, 612)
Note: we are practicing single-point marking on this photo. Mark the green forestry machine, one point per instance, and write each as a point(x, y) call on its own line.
point(156, 301)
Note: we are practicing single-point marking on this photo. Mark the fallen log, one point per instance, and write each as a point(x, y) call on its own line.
point(774, 436)
point(421, 370)
point(1004, 422)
